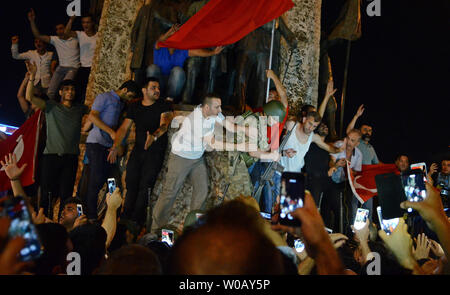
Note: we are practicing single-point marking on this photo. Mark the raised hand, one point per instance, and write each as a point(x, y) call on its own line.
point(423, 247)
point(31, 67)
point(11, 168)
point(114, 200)
point(400, 243)
point(15, 39)
point(431, 209)
point(330, 89)
point(360, 111)
point(31, 15)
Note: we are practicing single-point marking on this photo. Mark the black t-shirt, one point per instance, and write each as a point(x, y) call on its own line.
point(317, 162)
point(148, 118)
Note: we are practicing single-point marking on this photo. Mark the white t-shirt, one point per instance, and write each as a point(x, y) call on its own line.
point(87, 48)
point(43, 63)
point(68, 51)
point(188, 141)
point(296, 163)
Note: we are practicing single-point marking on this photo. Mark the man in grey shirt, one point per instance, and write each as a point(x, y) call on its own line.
point(60, 159)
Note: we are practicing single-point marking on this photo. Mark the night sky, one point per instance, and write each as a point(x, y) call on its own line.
point(399, 69)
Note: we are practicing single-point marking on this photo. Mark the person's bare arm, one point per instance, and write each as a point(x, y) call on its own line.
point(358, 114)
point(94, 117)
point(113, 202)
point(328, 147)
point(120, 135)
point(205, 52)
point(29, 95)
point(165, 120)
point(329, 93)
point(21, 94)
point(280, 88)
point(15, 50)
point(167, 34)
point(34, 29)
point(14, 173)
point(68, 29)
point(53, 66)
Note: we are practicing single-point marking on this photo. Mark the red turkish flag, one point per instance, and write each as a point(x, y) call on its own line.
point(23, 143)
point(224, 22)
point(363, 184)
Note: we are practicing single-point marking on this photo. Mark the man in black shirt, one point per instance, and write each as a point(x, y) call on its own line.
point(319, 167)
point(152, 117)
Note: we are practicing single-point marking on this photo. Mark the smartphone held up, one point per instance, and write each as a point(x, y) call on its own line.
point(292, 196)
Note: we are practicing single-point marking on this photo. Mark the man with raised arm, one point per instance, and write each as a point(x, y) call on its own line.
point(68, 54)
point(367, 150)
point(60, 159)
point(40, 56)
point(87, 40)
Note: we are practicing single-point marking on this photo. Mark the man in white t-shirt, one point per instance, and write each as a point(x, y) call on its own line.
point(68, 54)
point(88, 41)
point(42, 58)
point(186, 158)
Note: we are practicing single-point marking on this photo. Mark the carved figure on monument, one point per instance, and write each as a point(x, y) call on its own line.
point(253, 53)
point(154, 18)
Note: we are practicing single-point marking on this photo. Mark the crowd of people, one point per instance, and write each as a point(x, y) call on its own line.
point(232, 238)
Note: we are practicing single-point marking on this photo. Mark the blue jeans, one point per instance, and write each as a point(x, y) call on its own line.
point(100, 170)
point(61, 74)
point(269, 193)
point(171, 85)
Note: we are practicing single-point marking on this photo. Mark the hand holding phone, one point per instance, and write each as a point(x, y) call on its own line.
point(361, 218)
point(111, 185)
point(167, 236)
point(388, 225)
point(292, 197)
point(22, 226)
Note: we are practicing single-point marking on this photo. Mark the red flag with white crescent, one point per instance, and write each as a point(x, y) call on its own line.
point(23, 143)
point(363, 184)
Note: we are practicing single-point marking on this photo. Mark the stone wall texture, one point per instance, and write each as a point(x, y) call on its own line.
point(302, 75)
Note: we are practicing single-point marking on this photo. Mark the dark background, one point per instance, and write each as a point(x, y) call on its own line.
point(399, 69)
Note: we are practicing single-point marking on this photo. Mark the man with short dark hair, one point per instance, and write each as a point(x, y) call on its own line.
point(87, 38)
point(60, 160)
point(298, 143)
point(186, 158)
point(151, 116)
point(402, 163)
point(69, 214)
point(68, 54)
point(105, 114)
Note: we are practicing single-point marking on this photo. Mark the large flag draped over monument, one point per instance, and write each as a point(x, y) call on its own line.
point(363, 185)
point(224, 22)
point(23, 143)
